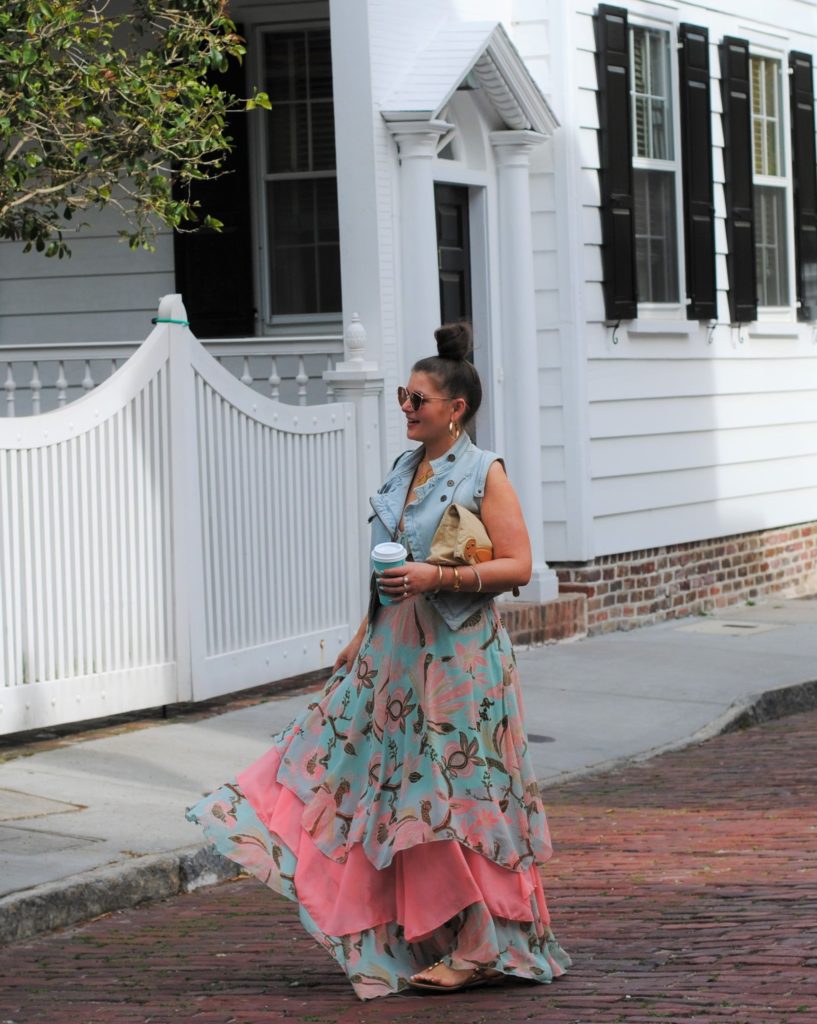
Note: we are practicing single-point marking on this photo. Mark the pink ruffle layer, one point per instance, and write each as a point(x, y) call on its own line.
point(422, 888)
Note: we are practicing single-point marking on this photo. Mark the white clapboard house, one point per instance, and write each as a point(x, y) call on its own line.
point(621, 199)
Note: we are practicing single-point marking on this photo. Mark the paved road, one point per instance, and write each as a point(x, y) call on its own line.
point(685, 888)
point(90, 821)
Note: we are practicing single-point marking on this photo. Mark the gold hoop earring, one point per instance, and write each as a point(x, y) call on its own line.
point(453, 429)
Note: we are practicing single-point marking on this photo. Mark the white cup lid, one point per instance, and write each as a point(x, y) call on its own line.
point(389, 551)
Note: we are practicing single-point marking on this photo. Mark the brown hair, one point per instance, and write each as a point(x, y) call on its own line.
point(452, 369)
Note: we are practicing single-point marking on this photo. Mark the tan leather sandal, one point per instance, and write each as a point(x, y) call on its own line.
point(478, 976)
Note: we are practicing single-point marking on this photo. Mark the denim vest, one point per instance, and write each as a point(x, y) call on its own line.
point(459, 476)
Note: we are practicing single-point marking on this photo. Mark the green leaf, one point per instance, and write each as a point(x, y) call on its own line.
point(111, 113)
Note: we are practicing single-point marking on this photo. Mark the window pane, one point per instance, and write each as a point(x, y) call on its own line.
point(329, 278)
point(656, 236)
point(766, 117)
point(770, 86)
point(302, 234)
point(661, 134)
point(320, 66)
point(304, 250)
point(300, 127)
point(326, 210)
point(771, 149)
point(770, 246)
point(639, 92)
point(757, 84)
point(288, 138)
point(285, 66)
point(323, 136)
point(294, 282)
point(758, 146)
point(651, 89)
point(292, 212)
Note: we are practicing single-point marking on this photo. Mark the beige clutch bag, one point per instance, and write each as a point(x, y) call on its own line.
point(460, 539)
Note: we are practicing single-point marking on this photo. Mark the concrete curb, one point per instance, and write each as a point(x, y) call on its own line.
point(741, 714)
point(46, 908)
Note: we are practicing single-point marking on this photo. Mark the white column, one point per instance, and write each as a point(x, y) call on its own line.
point(420, 282)
point(520, 355)
point(358, 126)
point(360, 382)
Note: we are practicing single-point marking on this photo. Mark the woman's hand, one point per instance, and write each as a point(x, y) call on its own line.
point(408, 580)
point(347, 656)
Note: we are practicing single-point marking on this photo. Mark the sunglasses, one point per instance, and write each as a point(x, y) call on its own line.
point(416, 398)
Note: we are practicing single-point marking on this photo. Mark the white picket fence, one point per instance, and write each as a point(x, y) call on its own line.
point(171, 536)
point(39, 378)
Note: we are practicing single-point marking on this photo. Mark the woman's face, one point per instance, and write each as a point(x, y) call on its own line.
point(429, 423)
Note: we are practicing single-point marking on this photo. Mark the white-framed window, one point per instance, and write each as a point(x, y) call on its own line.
point(300, 240)
point(770, 182)
point(656, 166)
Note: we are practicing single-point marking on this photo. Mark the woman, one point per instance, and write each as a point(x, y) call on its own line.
point(400, 810)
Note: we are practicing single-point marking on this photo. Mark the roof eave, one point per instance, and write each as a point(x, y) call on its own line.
point(501, 70)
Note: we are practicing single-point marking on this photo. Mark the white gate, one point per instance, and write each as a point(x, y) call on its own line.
point(171, 536)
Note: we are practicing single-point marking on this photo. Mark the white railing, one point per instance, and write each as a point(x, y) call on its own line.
point(40, 378)
point(170, 536)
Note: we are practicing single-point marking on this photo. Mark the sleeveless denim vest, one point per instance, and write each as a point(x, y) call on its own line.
point(459, 476)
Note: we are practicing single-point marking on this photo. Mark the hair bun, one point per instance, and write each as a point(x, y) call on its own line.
point(454, 341)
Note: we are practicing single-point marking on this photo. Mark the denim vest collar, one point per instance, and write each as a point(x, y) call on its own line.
point(389, 503)
point(459, 476)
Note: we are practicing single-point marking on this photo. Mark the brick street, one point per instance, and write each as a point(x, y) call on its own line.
point(685, 889)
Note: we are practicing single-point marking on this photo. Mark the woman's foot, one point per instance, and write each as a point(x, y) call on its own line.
point(440, 977)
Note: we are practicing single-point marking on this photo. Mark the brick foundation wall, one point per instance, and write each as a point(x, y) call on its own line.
point(562, 619)
point(642, 587)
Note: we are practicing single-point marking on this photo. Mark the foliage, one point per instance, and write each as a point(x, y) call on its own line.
point(100, 109)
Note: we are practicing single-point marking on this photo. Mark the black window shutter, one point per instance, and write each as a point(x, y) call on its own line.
point(696, 138)
point(615, 146)
point(804, 166)
point(214, 269)
point(737, 131)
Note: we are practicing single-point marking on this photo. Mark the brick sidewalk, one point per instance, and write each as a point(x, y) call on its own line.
point(684, 888)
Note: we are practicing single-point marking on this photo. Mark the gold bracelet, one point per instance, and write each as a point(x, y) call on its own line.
point(439, 579)
point(457, 579)
point(479, 578)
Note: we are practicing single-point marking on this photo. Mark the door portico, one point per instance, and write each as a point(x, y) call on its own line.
point(513, 118)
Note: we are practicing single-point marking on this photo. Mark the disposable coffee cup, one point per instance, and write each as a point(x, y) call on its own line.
point(387, 556)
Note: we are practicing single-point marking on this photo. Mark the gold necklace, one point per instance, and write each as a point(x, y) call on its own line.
point(423, 475)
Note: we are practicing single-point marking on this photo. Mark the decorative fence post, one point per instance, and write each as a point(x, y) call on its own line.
point(360, 382)
point(187, 569)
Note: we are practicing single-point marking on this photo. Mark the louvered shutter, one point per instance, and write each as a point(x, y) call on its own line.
point(696, 136)
point(214, 269)
point(615, 144)
point(804, 166)
point(737, 130)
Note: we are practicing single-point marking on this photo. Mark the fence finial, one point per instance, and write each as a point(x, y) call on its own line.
point(354, 338)
point(171, 310)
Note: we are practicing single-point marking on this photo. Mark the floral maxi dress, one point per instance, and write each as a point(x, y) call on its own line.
point(400, 810)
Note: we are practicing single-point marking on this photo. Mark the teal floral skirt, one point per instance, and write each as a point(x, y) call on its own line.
point(399, 810)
